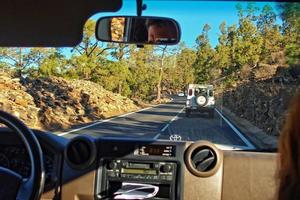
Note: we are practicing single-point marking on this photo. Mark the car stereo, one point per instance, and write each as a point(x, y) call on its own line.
point(117, 171)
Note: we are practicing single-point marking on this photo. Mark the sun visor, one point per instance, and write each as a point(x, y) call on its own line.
point(48, 23)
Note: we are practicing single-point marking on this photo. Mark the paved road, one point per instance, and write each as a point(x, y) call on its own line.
point(167, 120)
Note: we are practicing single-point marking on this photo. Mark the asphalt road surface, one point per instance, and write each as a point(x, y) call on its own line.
point(168, 121)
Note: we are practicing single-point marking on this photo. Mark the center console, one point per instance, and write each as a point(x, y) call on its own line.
point(161, 174)
point(150, 164)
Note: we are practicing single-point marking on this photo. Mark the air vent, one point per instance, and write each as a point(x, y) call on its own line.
point(80, 152)
point(203, 159)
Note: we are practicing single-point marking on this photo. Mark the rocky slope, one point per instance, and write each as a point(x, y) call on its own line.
point(264, 98)
point(56, 103)
point(15, 100)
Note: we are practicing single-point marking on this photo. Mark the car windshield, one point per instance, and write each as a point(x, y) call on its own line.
point(228, 81)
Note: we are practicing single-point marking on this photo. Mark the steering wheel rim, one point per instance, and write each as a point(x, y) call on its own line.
point(30, 188)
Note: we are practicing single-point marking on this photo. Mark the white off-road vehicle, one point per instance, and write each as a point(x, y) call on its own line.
point(200, 98)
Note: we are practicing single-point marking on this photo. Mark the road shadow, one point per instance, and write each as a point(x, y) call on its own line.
point(158, 113)
point(120, 127)
point(199, 115)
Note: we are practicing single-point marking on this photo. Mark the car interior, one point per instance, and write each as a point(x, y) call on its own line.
point(48, 166)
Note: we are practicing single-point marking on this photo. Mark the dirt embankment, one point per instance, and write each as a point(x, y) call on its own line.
point(263, 99)
point(56, 103)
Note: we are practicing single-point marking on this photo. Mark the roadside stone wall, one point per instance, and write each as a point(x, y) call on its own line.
point(263, 102)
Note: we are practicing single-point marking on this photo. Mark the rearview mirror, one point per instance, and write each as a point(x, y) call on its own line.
point(138, 30)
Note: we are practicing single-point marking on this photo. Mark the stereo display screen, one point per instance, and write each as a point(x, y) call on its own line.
point(156, 150)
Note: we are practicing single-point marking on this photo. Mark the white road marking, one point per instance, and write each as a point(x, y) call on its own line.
point(173, 119)
point(165, 127)
point(221, 146)
point(231, 147)
point(157, 136)
point(241, 136)
point(106, 120)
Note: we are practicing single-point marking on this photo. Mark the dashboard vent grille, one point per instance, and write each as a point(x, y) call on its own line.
point(80, 153)
point(203, 159)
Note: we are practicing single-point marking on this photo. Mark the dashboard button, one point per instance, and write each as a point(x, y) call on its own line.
point(166, 168)
point(112, 165)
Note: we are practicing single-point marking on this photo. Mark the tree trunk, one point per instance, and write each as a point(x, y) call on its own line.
point(19, 68)
point(120, 87)
point(158, 87)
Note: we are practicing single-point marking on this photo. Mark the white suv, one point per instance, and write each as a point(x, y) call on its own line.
point(200, 98)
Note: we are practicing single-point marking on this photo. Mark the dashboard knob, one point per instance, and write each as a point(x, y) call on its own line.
point(112, 165)
point(166, 168)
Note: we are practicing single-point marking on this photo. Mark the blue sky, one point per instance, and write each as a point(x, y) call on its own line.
point(191, 15)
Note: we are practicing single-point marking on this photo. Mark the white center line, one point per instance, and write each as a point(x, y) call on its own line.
point(242, 137)
point(156, 136)
point(173, 119)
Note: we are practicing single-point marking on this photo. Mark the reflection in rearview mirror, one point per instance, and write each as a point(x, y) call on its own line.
point(138, 30)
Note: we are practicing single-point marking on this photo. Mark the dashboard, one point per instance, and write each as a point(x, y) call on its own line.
point(178, 169)
point(86, 168)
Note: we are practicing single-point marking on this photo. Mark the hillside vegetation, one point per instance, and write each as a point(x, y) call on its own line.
point(245, 66)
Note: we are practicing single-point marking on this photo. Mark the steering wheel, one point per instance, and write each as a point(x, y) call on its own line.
point(12, 185)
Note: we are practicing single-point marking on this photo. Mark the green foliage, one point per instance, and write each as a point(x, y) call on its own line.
point(113, 76)
point(22, 59)
point(257, 38)
point(270, 33)
point(223, 56)
point(148, 72)
point(290, 14)
point(204, 56)
point(183, 72)
point(53, 65)
point(248, 47)
point(143, 72)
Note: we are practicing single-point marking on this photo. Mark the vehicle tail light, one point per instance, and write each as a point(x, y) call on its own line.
point(190, 92)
